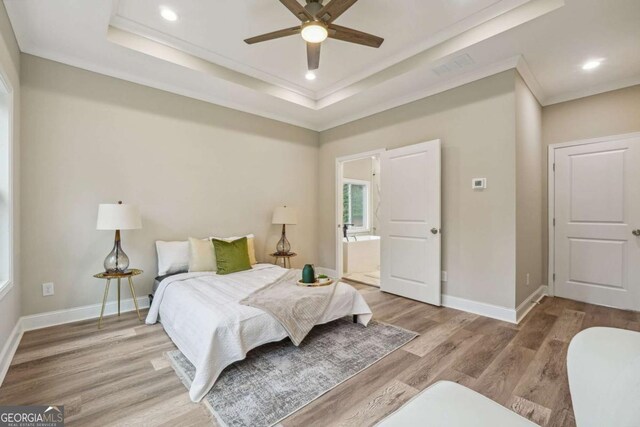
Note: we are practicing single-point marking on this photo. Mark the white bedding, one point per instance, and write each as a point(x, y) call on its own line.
point(201, 314)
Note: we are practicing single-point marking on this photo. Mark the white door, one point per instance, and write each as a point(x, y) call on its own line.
point(410, 222)
point(597, 217)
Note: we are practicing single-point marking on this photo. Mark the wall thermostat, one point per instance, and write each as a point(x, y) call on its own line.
point(479, 183)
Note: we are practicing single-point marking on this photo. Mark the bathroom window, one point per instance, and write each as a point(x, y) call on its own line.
point(355, 205)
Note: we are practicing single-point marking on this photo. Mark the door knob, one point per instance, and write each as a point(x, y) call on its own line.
point(636, 232)
point(435, 231)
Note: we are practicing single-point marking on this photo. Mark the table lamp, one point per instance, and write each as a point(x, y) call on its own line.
point(117, 217)
point(285, 216)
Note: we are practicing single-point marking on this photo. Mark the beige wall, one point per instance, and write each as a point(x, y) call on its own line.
point(9, 72)
point(610, 113)
point(193, 168)
point(476, 123)
point(358, 169)
point(528, 192)
point(94, 139)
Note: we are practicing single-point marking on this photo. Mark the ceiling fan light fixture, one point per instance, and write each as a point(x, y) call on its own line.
point(314, 32)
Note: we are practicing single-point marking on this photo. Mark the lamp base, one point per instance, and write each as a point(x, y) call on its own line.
point(117, 261)
point(283, 247)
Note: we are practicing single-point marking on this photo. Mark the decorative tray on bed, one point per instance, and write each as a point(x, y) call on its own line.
point(324, 282)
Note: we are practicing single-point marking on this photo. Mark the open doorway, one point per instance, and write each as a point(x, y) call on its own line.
point(358, 216)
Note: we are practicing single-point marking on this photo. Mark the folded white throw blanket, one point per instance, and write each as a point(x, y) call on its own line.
point(297, 308)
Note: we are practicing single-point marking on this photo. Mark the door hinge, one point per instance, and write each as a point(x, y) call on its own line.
point(554, 277)
point(554, 167)
point(554, 222)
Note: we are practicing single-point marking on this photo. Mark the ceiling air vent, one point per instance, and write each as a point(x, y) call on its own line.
point(459, 63)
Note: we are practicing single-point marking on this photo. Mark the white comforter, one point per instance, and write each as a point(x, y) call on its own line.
point(201, 314)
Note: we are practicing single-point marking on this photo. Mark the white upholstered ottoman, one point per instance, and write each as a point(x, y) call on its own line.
point(604, 377)
point(449, 404)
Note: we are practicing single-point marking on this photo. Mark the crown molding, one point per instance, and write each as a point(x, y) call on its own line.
point(227, 66)
point(472, 76)
point(167, 87)
point(530, 79)
point(476, 19)
point(593, 90)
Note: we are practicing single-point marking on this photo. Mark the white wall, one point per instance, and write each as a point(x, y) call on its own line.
point(10, 71)
point(528, 192)
point(476, 123)
point(193, 168)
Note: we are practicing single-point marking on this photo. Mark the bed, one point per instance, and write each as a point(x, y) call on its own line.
point(201, 314)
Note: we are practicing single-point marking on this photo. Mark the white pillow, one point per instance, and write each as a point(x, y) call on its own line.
point(202, 256)
point(173, 257)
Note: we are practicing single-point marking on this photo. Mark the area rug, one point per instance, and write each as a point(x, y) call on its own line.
point(277, 379)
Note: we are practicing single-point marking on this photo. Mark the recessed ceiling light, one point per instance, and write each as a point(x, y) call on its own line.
point(310, 75)
point(591, 64)
point(168, 14)
point(314, 32)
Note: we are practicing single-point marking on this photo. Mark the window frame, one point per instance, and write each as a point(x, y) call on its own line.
point(367, 205)
point(6, 283)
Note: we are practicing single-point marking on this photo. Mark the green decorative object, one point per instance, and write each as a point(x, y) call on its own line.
point(308, 274)
point(231, 257)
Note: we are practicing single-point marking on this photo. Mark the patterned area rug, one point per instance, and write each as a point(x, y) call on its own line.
point(277, 379)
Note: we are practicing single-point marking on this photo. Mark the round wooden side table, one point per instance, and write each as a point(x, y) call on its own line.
point(286, 259)
point(118, 276)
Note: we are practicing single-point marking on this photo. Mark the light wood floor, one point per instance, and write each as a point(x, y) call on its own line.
point(119, 376)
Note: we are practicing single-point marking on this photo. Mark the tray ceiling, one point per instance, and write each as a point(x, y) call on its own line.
point(429, 46)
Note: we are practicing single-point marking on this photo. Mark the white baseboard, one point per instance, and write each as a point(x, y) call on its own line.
point(59, 317)
point(529, 303)
point(488, 310)
point(495, 311)
point(9, 349)
point(506, 314)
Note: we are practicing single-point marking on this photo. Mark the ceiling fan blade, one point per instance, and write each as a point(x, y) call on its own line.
point(297, 9)
point(273, 35)
point(333, 9)
point(354, 36)
point(313, 55)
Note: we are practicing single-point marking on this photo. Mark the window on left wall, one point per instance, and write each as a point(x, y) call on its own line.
point(5, 191)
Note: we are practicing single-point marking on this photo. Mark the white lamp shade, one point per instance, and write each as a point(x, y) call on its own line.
point(118, 217)
point(285, 215)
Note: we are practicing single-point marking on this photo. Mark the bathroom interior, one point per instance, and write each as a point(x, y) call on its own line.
point(360, 219)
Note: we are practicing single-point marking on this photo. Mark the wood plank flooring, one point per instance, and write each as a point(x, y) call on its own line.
point(119, 375)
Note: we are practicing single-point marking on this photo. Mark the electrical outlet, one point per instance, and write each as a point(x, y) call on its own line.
point(527, 278)
point(443, 276)
point(47, 289)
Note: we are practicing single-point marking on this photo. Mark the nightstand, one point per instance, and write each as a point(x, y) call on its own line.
point(108, 276)
point(286, 259)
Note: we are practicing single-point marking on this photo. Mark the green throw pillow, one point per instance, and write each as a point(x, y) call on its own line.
point(231, 256)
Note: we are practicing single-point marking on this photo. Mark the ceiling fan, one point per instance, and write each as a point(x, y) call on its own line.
point(317, 25)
